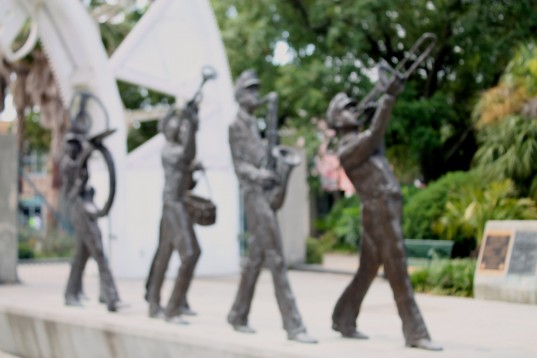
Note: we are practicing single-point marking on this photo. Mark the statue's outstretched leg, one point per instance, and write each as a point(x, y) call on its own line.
point(238, 315)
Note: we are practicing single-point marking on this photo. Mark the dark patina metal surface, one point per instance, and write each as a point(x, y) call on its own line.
point(361, 154)
point(249, 154)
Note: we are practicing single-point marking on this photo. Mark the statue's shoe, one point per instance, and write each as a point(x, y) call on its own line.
point(155, 311)
point(82, 296)
point(237, 324)
point(302, 337)
point(243, 328)
point(425, 344)
point(176, 320)
point(73, 301)
point(116, 305)
point(187, 311)
point(349, 333)
point(354, 335)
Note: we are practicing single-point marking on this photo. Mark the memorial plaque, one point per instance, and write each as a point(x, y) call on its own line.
point(495, 252)
point(507, 265)
point(524, 255)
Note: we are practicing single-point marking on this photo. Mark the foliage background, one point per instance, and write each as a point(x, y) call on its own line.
point(471, 105)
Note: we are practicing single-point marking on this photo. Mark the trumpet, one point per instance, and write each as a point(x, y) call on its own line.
point(207, 73)
point(403, 70)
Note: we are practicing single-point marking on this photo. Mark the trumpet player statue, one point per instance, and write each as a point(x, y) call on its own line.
point(83, 213)
point(177, 223)
point(262, 178)
point(361, 154)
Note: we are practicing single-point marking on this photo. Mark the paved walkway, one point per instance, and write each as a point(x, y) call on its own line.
point(465, 327)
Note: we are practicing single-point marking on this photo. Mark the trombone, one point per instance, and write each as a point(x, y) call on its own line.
point(403, 70)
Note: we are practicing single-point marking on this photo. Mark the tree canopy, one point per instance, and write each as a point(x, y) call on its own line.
point(308, 50)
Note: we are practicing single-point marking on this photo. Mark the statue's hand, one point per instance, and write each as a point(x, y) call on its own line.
point(195, 166)
point(190, 112)
point(271, 97)
point(267, 178)
point(396, 85)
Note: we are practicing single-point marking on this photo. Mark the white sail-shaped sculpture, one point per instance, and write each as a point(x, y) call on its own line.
point(165, 52)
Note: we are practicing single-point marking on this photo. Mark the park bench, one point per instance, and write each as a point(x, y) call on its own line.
point(427, 249)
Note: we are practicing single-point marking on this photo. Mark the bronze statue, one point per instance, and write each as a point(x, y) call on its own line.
point(176, 227)
point(177, 223)
point(262, 178)
point(82, 210)
point(361, 154)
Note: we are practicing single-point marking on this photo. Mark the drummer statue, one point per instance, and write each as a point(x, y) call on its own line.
point(178, 218)
point(361, 154)
point(176, 227)
point(83, 214)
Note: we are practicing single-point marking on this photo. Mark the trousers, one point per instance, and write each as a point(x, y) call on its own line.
point(176, 233)
point(89, 243)
point(381, 243)
point(265, 246)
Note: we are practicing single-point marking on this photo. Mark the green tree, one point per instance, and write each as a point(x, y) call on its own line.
point(331, 45)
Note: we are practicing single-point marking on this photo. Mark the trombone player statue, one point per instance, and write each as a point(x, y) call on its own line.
point(177, 223)
point(81, 207)
point(262, 171)
point(361, 154)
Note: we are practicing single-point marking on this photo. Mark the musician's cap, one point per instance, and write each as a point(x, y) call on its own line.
point(72, 137)
point(246, 79)
point(336, 106)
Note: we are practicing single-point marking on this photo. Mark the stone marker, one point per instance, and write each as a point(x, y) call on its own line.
point(507, 264)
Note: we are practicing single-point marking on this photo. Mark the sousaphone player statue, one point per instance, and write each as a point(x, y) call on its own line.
point(78, 194)
point(263, 171)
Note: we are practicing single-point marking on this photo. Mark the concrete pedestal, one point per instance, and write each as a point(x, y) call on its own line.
point(507, 264)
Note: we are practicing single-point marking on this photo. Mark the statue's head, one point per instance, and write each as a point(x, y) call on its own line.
point(80, 123)
point(247, 90)
point(169, 126)
point(72, 145)
point(341, 112)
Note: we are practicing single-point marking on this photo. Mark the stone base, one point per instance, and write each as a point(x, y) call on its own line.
point(507, 264)
point(35, 323)
point(47, 334)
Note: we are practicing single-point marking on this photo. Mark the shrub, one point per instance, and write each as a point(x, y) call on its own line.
point(508, 150)
point(57, 244)
point(314, 251)
point(446, 277)
point(26, 251)
point(428, 205)
point(468, 209)
point(27, 242)
point(341, 227)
